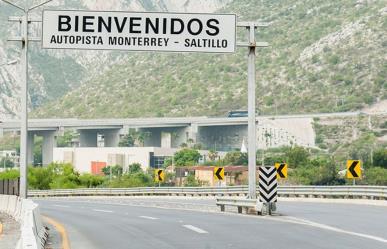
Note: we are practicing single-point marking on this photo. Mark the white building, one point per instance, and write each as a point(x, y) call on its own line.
point(86, 160)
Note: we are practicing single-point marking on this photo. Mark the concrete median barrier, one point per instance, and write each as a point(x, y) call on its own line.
point(27, 213)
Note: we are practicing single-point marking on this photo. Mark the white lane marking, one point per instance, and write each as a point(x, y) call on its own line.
point(195, 229)
point(148, 217)
point(330, 228)
point(63, 206)
point(103, 211)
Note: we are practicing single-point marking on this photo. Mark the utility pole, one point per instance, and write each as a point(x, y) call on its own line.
point(252, 44)
point(24, 39)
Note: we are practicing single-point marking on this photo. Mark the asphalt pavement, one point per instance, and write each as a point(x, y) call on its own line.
point(145, 223)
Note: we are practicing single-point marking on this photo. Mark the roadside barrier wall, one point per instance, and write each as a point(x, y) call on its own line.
point(27, 213)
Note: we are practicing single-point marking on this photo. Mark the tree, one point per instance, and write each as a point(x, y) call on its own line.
point(297, 156)
point(5, 162)
point(213, 155)
point(134, 168)
point(236, 158)
point(376, 176)
point(40, 178)
point(141, 136)
point(319, 171)
point(38, 142)
point(186, 157)
point(133, 137)
point(362, 147)
point(191, 181)
point(380, 158)
point(116, 170)
point(190, 142)
point(65, 177)
point(127, 141)
point(66, 139)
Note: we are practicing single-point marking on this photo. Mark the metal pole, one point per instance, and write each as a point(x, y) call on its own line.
point(251, 111)
point(24, 110)
point(24, 96)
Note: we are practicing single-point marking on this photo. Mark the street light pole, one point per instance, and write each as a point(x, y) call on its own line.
point(24, 96)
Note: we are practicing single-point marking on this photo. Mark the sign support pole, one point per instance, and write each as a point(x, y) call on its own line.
point(24, 110)
point(252, 156)
point(24, 95)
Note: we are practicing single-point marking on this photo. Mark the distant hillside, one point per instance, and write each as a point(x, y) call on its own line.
point(53, 73)
point(324, 56)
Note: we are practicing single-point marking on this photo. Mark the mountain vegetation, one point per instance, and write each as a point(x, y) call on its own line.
point(53, 73)
point(324, 56)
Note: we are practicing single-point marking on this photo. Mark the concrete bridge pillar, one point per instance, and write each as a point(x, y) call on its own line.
point(111, 138)
point(49, 142)
point(192, 133)
point(88, 138)
point(30, 147)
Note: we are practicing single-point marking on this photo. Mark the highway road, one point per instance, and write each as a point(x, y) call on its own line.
point(166, 222)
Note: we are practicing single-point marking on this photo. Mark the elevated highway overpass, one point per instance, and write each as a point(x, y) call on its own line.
point(221, 133)
point(42, 124)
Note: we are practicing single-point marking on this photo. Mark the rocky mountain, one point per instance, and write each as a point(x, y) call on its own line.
point(324, 56)
point(54, 73)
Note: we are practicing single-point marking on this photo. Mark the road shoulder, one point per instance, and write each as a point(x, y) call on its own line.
point(10, 234)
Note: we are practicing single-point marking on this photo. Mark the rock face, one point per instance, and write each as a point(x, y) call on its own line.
point(9, 87)
point(54, 73)
point(324, 56)
point(157, 5)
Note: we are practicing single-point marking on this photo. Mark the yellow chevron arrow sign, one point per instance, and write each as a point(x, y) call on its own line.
point(159, 175)
point(353, 169)
point(282, 170)
point(219, 173)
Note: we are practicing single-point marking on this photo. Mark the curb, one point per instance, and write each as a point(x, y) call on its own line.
point(61, 230)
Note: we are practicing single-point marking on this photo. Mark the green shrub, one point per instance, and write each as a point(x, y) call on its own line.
point(186, 157)
point(380, 158)
point(9, 174)
point(376, 176)
point(133, 180)
point(91, 181)
point(236, 158)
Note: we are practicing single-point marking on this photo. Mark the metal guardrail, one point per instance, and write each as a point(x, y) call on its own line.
point(368, 192)
point(222, 202)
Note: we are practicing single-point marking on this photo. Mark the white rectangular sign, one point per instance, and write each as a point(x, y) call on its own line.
point(139, 31)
